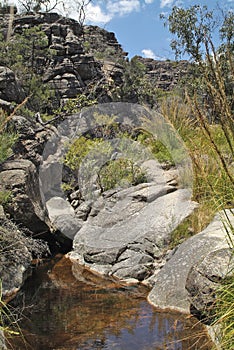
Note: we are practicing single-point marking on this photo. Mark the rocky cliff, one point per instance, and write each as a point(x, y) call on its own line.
point(83, 60)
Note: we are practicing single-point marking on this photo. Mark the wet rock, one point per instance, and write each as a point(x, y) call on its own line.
point(129, 262)
point(189, 278)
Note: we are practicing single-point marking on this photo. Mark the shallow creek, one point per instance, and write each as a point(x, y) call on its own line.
point(67, 307)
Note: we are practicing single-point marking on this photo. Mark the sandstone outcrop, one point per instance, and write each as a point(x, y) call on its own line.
point(84, 58)
point(11, 91)
point(165, 74)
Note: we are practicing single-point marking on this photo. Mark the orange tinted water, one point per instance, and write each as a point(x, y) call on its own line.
point(67, 307)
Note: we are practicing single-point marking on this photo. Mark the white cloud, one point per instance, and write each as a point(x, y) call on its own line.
point(122, 7)
point(99, 13)
point(169, 3)
point(95, 14)
point(164, 3)
point(149, 1)
point(148, 53)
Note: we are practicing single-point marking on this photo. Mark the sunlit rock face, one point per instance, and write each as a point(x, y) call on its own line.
point(189, 279)
point(128, 230)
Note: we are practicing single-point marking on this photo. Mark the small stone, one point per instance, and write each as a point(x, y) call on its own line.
point(75, 203)
point(74, 195)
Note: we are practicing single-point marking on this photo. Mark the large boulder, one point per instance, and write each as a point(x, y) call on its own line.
point(10, 89)
point(17, 251)
point(188, 280)
point(205, 277)
point(128, 230)
point(66, 224)
point(25, 207)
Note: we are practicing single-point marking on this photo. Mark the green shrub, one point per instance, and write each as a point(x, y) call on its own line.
point(5, 197)
point(92, 154)
point(7, 138)
point(120, 173)
point(156, 147)
point(27, 54)
point(74, 105)
point(78, 150)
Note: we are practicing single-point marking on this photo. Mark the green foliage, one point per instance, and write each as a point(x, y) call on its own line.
point(74, 105)
point(27, 53)
point(67, 187)
point(78, 150)
point(211, 182)
point(6, 317)
point(93, 151)
point(107, 54)
point(5, 197)
point(156, 147)
point(210, 99)
point(7, 138)
point(86, 46)
point(24, 48)
point(136, 85)
point(120, 173)
point(212, 82)
point(192, 28)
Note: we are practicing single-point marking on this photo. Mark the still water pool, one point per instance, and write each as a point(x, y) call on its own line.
point(65, 307)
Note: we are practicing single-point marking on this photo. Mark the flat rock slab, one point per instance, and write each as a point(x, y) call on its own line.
point(171, 289)
point(128, 229)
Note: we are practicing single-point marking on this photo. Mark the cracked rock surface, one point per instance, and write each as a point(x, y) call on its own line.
point(187, 282)
point(127, 232)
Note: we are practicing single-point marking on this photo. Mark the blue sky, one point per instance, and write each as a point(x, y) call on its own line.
point(137, 25)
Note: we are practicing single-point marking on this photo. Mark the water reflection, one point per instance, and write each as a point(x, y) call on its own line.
point(63, 313)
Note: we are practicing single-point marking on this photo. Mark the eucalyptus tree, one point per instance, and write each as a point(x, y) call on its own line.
point(206, 38)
